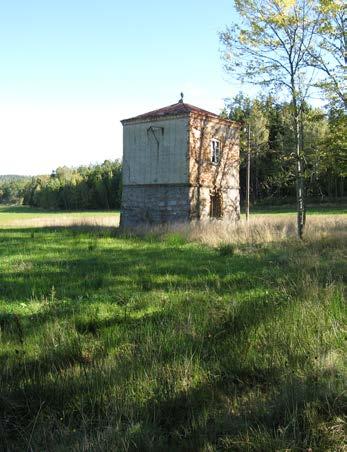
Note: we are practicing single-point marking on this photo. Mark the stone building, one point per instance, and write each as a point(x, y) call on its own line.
point(180, 163)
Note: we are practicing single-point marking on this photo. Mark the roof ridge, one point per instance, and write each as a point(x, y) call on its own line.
point(178, 108)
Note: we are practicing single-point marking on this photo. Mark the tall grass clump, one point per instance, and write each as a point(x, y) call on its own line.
point(261, 229)
point(264, 229)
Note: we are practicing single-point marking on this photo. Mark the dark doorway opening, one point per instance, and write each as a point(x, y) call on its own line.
point(216, 204)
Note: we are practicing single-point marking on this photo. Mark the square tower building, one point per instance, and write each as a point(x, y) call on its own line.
point(180, 163)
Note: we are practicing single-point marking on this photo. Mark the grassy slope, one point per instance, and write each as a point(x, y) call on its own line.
point(119, 342)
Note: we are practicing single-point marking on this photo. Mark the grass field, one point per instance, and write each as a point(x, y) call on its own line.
point(24, 216)
point(202, 339)
point(324, 208)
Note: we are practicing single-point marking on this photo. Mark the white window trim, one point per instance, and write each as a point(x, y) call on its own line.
point(215, 151)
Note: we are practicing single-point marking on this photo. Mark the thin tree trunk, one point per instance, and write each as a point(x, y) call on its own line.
point(302, 150)
point(248, 172)
point(256, 177)
point(299, 179)
point(300, 203)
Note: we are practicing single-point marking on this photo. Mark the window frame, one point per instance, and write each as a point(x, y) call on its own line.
point(215, 151)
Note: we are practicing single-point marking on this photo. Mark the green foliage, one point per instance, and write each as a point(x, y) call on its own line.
point(272, 46)
point(12, 188)
point(114, 343)
point(92, 187)
point(272, 141)
point(336, 142)
point(328, 55)
point(270, 43)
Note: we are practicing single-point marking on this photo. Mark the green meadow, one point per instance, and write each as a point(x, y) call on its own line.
point(115, 341)
point(24, 215)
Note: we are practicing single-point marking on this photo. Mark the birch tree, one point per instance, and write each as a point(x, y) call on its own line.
point(270, 47)
point(329, 56)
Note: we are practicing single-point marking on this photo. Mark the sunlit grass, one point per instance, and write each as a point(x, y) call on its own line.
point(200, 338)
point(25, 216)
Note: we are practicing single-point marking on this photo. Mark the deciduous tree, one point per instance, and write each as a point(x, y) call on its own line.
point(329, 55)
point(270, 47)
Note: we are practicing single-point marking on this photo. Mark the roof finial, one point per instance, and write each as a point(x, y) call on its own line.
point(181, 100)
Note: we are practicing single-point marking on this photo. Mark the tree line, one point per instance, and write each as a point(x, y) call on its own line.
point(273, 175)
point(85, 187)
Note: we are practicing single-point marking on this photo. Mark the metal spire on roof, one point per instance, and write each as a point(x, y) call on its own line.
point(181, 100)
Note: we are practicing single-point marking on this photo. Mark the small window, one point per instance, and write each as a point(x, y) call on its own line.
point(215, 151)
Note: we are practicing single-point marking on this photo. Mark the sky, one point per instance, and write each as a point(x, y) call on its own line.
point(70, 70)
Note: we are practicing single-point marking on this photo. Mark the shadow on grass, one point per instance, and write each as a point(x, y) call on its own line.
point(86, 372)
point(224, 412)
point(274, 413)
point(76, 265)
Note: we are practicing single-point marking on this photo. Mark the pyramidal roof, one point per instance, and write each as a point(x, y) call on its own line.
point(180, 108)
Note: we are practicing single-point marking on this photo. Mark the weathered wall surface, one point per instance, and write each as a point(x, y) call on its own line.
point(206, 177)
point(156, 152)
point(168, 175)
point(154, 204)
point(200, 203)
point(201, 170)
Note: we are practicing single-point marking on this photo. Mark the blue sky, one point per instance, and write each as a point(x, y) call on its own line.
point(71, 70)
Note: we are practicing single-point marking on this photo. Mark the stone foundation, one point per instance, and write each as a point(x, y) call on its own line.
point(154, 204)
point(160, 204)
